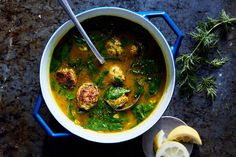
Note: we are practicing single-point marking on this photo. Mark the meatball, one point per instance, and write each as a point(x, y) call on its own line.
point(116, 73)
point(119, 102)
point(87, 96)
point(114, 47)
point(133, 49)
point(67, 77)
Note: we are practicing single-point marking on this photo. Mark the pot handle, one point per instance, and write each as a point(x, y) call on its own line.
point(151, 14)
point(43, 124)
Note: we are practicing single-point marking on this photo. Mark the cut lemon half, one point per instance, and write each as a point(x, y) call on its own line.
point(184, 133)
point(172, 149)
point(158, 140)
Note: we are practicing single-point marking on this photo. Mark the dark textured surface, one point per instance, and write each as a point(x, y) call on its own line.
point(25, 27)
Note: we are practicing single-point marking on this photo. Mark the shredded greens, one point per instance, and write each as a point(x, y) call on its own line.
point(139, 89)
point(63, 53)
point(69, 95)
point(53, 84)
point(143, 67)
point(101, 118)
point(92, 69)
point(152, 74)
point(115, 92)
point(70, 115)
point(101, 77)
point(62, 90)
point(154, 85)
point(142, 110)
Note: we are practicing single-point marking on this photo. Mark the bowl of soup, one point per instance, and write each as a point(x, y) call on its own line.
point(91, 100)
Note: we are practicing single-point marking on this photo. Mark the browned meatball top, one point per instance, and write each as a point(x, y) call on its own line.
point(87, 96)
point(67, 77)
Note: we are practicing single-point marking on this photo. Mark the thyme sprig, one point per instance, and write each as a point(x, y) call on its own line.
point(207, 38)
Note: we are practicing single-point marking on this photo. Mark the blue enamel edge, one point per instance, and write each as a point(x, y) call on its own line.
point(147, 15)
point(152, 14)
point(41, 121)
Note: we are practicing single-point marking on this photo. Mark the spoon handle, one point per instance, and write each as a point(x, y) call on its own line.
point(67, 8)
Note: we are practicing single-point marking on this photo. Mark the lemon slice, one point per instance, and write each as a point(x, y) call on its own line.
point(158, 140)
point(184, 133)
point(172, 149)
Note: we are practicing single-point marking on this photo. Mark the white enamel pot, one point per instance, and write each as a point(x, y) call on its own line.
point(141, 18)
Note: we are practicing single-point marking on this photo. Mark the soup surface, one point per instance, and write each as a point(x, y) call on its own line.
point(94, 95)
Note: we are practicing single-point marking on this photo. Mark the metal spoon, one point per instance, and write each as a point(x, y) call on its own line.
point(67, 8)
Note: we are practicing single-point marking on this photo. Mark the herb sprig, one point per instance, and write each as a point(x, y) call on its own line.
point(207, 38)
point(209, 85)
point(218, 62)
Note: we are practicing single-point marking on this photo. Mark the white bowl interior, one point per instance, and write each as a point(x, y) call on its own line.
point(93, 135)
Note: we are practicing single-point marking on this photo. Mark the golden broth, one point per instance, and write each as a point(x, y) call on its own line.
point(146, 66)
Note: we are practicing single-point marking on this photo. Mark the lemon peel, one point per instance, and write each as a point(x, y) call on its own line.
point(158, 140)
point(184, 133)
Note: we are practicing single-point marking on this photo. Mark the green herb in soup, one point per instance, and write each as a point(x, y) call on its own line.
point(115, 92)
point(139, 89)
point(101, 77)
point(103, 118)
point(141, 111)
point(89, 93)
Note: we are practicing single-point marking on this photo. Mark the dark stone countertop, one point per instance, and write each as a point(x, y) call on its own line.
point(25, 27)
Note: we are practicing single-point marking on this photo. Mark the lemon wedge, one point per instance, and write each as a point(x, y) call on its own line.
point(184, 133)
point(172, 149)
point(158, 140)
